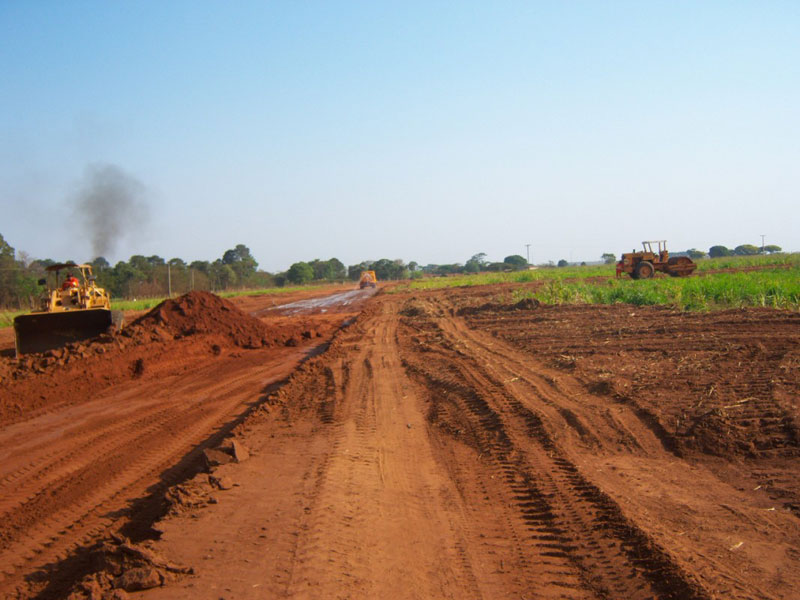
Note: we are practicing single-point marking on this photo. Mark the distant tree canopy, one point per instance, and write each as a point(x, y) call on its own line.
point(746, 250)
point(330, 270)
point(516, 261)
point(695, 254)
point(476, 263)
point(299, 273)
point(719, 252)
point(139, 276)
point(772, 248)
point(240, 262)
point(563, 263)
point(609, 258)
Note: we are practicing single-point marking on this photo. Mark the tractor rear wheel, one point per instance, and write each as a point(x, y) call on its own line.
point(644, 270)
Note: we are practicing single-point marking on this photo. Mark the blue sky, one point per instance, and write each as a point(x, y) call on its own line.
point(426, 131)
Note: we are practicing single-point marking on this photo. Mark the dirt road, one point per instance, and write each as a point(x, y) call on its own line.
point(422, 458)
point(441, 447)
point(92, 437)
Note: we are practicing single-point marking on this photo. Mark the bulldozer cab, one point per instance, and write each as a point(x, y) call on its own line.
point(71, 287)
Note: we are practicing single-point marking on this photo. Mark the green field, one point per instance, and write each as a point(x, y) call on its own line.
point(777, 287)
point(774, 288)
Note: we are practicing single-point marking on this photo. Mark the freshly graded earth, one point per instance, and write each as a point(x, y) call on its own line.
point(446, 444)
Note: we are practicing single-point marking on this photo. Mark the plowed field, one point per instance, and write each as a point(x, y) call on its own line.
point(441, 446)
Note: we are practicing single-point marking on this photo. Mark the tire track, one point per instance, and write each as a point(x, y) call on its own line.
point(569, 519)
point(64, 497)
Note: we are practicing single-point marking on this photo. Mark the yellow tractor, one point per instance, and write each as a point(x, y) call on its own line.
point(655, 257)
point(71, 308)
point(368, 279)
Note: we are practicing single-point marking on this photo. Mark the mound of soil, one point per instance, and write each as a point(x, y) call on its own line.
point(203, 313)
point(524, 304)
point(170, 338)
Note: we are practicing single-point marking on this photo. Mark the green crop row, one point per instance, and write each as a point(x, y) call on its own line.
point(557, 273)
point(778, 288)
point(739, 262)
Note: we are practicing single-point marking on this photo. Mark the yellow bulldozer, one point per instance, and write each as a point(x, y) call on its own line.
point(368, 279)
point(71, 308)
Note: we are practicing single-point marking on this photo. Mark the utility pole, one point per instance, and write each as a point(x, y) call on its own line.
point(762, 243)
point(528, 252)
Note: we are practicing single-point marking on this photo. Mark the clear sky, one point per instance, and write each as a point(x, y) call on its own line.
point(427, 131)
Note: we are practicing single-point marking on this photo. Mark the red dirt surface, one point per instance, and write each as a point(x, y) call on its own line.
point(90, 432)
point(443, 446)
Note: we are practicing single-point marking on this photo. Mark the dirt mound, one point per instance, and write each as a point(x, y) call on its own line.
point(204, 313)
point(170, 338)
point(120, 567)
point(524, 304)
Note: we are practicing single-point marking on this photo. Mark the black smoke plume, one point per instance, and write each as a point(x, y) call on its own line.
point(110, 205)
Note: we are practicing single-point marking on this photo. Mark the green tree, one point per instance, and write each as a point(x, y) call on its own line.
point(203, 266)
point(516, 261)
point(354, 271)
point(8, 273)
point(695, 254)
point(563, 263)
point(772, 248)
point(746, 250)
point(241, 261)
point(609, 258)
point(222, 275)
point(719, 251)
point(299, 273)
point(389, 269)
point(336, 269)
point(99, 265)
point(476, 263)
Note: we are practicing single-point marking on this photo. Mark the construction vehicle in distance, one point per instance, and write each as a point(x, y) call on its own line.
point(368, 279)
point(70, 310)
point(643, 265)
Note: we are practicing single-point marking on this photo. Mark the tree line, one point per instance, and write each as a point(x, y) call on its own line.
point(153, 276)
point(713, 252)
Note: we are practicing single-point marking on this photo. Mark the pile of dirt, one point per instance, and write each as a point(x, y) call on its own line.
point(203, 313)
point(120, 567)
point(524, 304)
point(172, 337)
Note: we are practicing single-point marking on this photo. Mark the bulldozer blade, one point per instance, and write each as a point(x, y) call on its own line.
point(38, 332)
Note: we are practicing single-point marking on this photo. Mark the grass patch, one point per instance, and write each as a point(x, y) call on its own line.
point(555, 273)
point(739, 262)
point(774, 288)
point(7, 317)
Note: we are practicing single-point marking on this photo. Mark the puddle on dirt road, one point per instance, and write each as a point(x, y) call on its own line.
point(332, 303)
